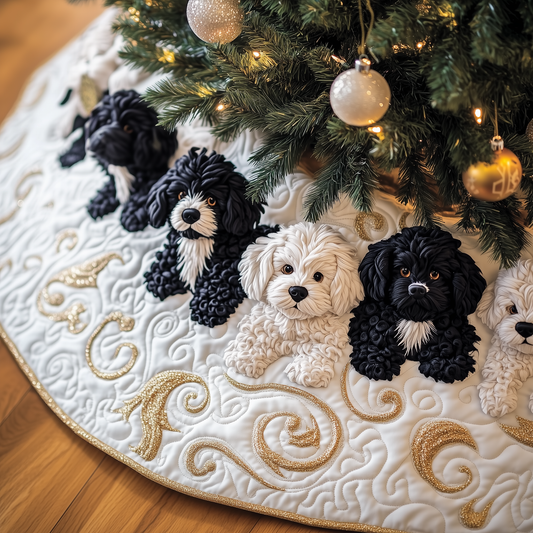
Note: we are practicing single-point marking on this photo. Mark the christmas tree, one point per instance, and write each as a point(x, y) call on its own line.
point(459, 73)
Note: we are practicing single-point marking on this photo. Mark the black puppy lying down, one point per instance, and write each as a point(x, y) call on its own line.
point(419, 290)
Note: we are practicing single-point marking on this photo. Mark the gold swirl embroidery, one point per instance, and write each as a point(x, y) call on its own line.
point(523, 433)
point(6, 264)
point(153, 398)
point(10, 151)
point(429, 441)
point(89, 93)
point(376, 221)
point(210, 465)
point(20, 196)
point(125, 324)
point(309, 437)
point(25, 265)
point(67, 234)
point(81, 276)
point(472, 519)
point(385, 396)
point(402, 223)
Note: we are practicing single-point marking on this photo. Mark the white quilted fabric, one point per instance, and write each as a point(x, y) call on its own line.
point(370, 479)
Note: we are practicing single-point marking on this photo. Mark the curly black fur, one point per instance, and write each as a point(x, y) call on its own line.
point(217, 291)
point(122, 131)
point(454, 294)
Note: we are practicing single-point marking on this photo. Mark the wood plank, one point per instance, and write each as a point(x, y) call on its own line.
point(13, 384)
point(120, 500)
point(43, 466)
point(31, 32)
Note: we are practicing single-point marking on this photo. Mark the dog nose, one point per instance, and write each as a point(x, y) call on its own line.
point(298, 293)
point(190, 215)
point(417, 290)
point(525, 329)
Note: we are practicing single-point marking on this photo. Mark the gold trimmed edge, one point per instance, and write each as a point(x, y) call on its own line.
point(174, 485)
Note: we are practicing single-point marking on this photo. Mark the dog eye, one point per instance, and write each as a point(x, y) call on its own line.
point(405, 272)
point(211, 201)
point(434, 275)
point(181, 195)
point(512, 310)
point(128, 129)
point(318, 276)
point(287, 269)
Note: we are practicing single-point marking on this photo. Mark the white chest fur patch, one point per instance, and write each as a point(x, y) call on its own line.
point(123, 182)
point(413, 334)
point(193, 255)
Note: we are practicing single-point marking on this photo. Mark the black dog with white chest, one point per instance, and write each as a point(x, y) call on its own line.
point(212, 223)
point(123, 135)
point(419, 291)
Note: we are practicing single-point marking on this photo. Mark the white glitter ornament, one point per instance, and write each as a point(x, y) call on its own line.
point(215, 21)
point(360, 96)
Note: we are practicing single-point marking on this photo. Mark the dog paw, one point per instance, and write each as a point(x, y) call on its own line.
point(245, 364)
point(310, 373)
point(497, 403)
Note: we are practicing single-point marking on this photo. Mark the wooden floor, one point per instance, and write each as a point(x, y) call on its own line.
point(50, 479)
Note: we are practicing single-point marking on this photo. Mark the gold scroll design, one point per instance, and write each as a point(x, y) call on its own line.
point(523, 433)
point(473, 519)
point(385, 396)
point(307, 437)
point(125, 323)
point(20, 196)
point(67, 234)
point(402, 223)
point(80, 276)
point(210, 466)
point(375, 221)
point(152, 399)
point(429, 440)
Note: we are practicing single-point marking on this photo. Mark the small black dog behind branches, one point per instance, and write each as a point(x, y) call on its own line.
point(122, 134)
point(212, 223)
point(419, 291)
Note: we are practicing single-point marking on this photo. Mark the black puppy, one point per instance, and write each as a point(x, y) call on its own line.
point(419, 290)
point(212, 223)
point(123, 135)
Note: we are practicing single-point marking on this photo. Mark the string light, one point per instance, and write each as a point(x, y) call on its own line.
point(337, 59)
point(375, 129)
point(478, 114)
point(256, 54)
point(221, 107)
point(419, 45)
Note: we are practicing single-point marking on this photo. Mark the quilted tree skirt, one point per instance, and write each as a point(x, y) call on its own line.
point(77, 318)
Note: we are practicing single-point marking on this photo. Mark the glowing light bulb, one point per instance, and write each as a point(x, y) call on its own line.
point(256, 54)
point(375, 129)
point(221, 107)
point(419, 45)
point(478, 113)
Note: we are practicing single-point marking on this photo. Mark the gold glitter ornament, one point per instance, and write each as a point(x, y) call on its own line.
point(494, 181)
point(215, 21)
point(360, 96)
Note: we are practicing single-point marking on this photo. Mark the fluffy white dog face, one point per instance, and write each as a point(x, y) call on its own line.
point(507, 306)
point(303, 271)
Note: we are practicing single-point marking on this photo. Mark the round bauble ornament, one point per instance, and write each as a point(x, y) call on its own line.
point(494, 181)
point(360, 96)
point(215, 21)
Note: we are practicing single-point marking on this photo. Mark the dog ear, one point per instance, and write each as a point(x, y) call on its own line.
point(257, 265)
point(346, 288)
point(241, 214)
point(375, 269)
point(468, 284)
point(489, 314)
point(161, 199)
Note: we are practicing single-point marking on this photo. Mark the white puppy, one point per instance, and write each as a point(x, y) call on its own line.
point(305, 278)
point(507, 308)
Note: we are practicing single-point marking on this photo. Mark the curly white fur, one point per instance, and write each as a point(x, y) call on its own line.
point(510, 359)
point(314, 330)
